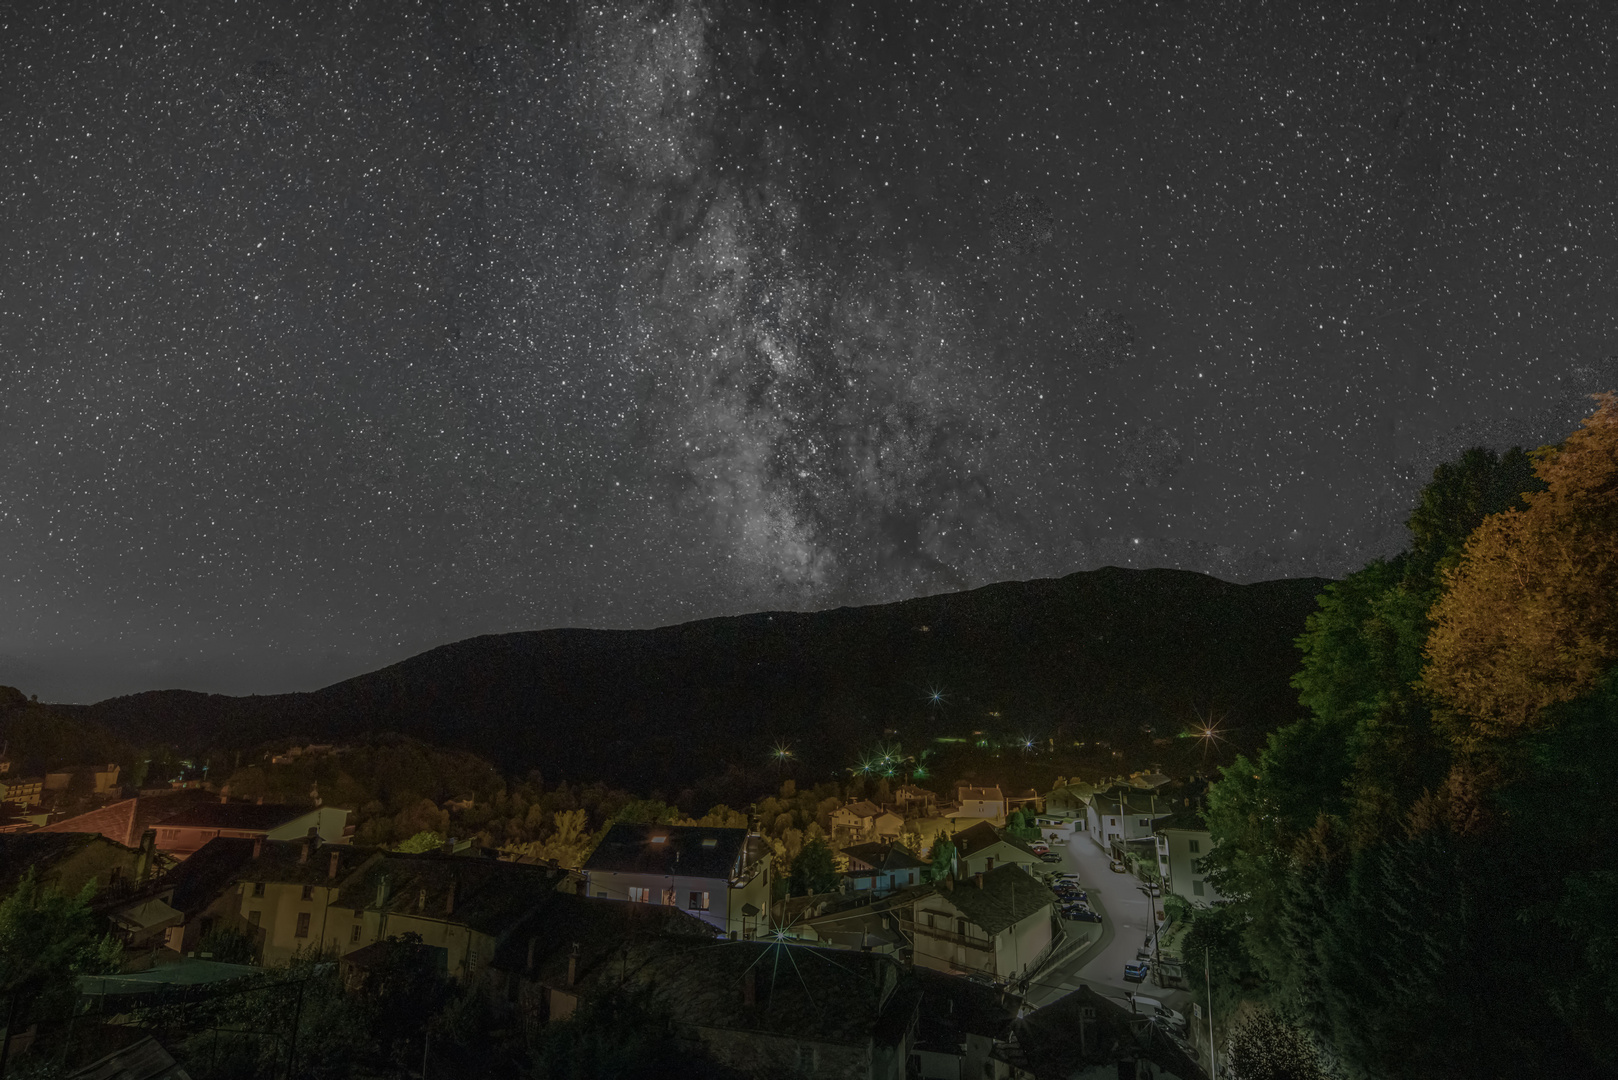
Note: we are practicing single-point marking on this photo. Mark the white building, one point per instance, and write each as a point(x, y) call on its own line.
point(721, 876)
point(1182, 841)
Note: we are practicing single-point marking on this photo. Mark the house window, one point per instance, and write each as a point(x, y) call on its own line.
point(1196, 888)
point(699, 901)
point(670, 898)
point(659, 839)
point(354, 935)
point(1113, 822)
point(1196, 846)
point(258, 888)
point(303, 925)
point(601, 895)
point(1145, 822)
point(640, 895)
point(960, 927)
point(931, 921)
point(912, 877)
point(1164, 859)
point(710, 841)
point(308, 892)
point(991, 863)
point(254, 916)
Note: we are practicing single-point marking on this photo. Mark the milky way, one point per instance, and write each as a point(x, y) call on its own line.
point(332, 332)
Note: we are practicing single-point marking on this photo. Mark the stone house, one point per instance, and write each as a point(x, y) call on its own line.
point(1001, 924)
point(721, 876)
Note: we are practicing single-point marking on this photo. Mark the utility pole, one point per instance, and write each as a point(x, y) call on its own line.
point(1213, 1070)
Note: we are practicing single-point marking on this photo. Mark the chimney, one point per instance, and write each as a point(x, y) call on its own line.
point(148, 848)
point(260, 801)
point(303, 851)
point(749, 988)
point(331, 865)
point(449, 900)
point(533, 943)
point(223, 799)
point(258, 846)
point(573, 964)
point(382, 891)
point(979, 877)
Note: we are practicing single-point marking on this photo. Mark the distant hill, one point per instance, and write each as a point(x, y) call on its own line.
point(1093, 654)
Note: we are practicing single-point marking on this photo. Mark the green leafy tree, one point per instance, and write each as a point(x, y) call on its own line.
point(1266, 1047)
point(419, 843)
point(943, 860)
point(47, 940)
point(814, 870)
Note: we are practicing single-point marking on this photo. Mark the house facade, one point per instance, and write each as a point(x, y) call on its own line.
point(1001, 924)
point(880, 869)
point(980, 804)
point(1121, 816)
point(984, 847)
point(721, 876)
point(1070, 800)
point(1182, 841)
point(857, 819)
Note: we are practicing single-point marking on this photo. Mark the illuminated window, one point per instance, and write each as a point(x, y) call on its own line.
point(658, 839)
point(303, 925)
point(710, 841)
point(699, 901)
point(640, 895)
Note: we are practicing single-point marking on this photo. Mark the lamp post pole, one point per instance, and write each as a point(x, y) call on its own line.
point(1213, 1070)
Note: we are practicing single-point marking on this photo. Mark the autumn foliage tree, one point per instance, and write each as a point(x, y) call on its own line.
point(1529, 617)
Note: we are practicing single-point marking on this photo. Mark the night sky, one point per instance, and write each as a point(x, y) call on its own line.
point(333, 331)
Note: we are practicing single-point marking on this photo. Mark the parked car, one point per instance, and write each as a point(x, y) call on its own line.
point(1084, 915)
point(1039, 847)
point(1152, 888)
point(1137, 971)
point(1170, 1018)
point(1048, 856)
point(1117, 867)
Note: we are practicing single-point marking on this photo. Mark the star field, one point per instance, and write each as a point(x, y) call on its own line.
point(332, 332)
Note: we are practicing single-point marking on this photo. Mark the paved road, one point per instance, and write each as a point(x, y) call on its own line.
point(1126, 919)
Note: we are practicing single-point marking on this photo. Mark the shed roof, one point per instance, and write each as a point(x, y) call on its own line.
point(489, 896)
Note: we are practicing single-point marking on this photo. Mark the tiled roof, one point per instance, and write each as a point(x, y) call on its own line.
point(1052, 1044)
point(686, 850)
point(952, 1006)
point(489, 896)
point(864, 808)
point(984, 835)
point(884, 857)
point(1008, 896)
point(599, 927)
point(125, 820)
point(282, 862)
point(800, 992)
point(245, 817)
point(207, 874)
point(1191, 820)
point(987, 794)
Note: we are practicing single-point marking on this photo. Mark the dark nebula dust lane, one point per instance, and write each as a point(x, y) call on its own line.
point(332, 332)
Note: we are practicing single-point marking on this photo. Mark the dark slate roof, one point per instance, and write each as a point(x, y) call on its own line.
point(281, 861)
point(885, 858)
point(490, 896)
point(983, 835)
point(597, 926)
point(1009, 895)
point(630, 849)
point(200, 880)
point(1049, 1039)
point(244, 816)
point(1185, 819)
point(19, 851)
point(953, 1007)
point(801, 991)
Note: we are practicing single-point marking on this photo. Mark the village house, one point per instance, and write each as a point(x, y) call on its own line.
point(1183, 840)
point(24, 791)
point(962, 1025)
point(1087, 1034)
point(1070, 799)
point(537, 968)
point(126, 820)
point(772, 1008)
point(1026, 799)
point(856, 820)
point(983, 848)
point(1122, 817)
point(721, 876)
point(978, 804)
point(205, 891)
point(186, 831)
point(340, 898)
point(914, 801)
point(70, 861)
point(880, 869)
point(92, 779)
point(1001, 924)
